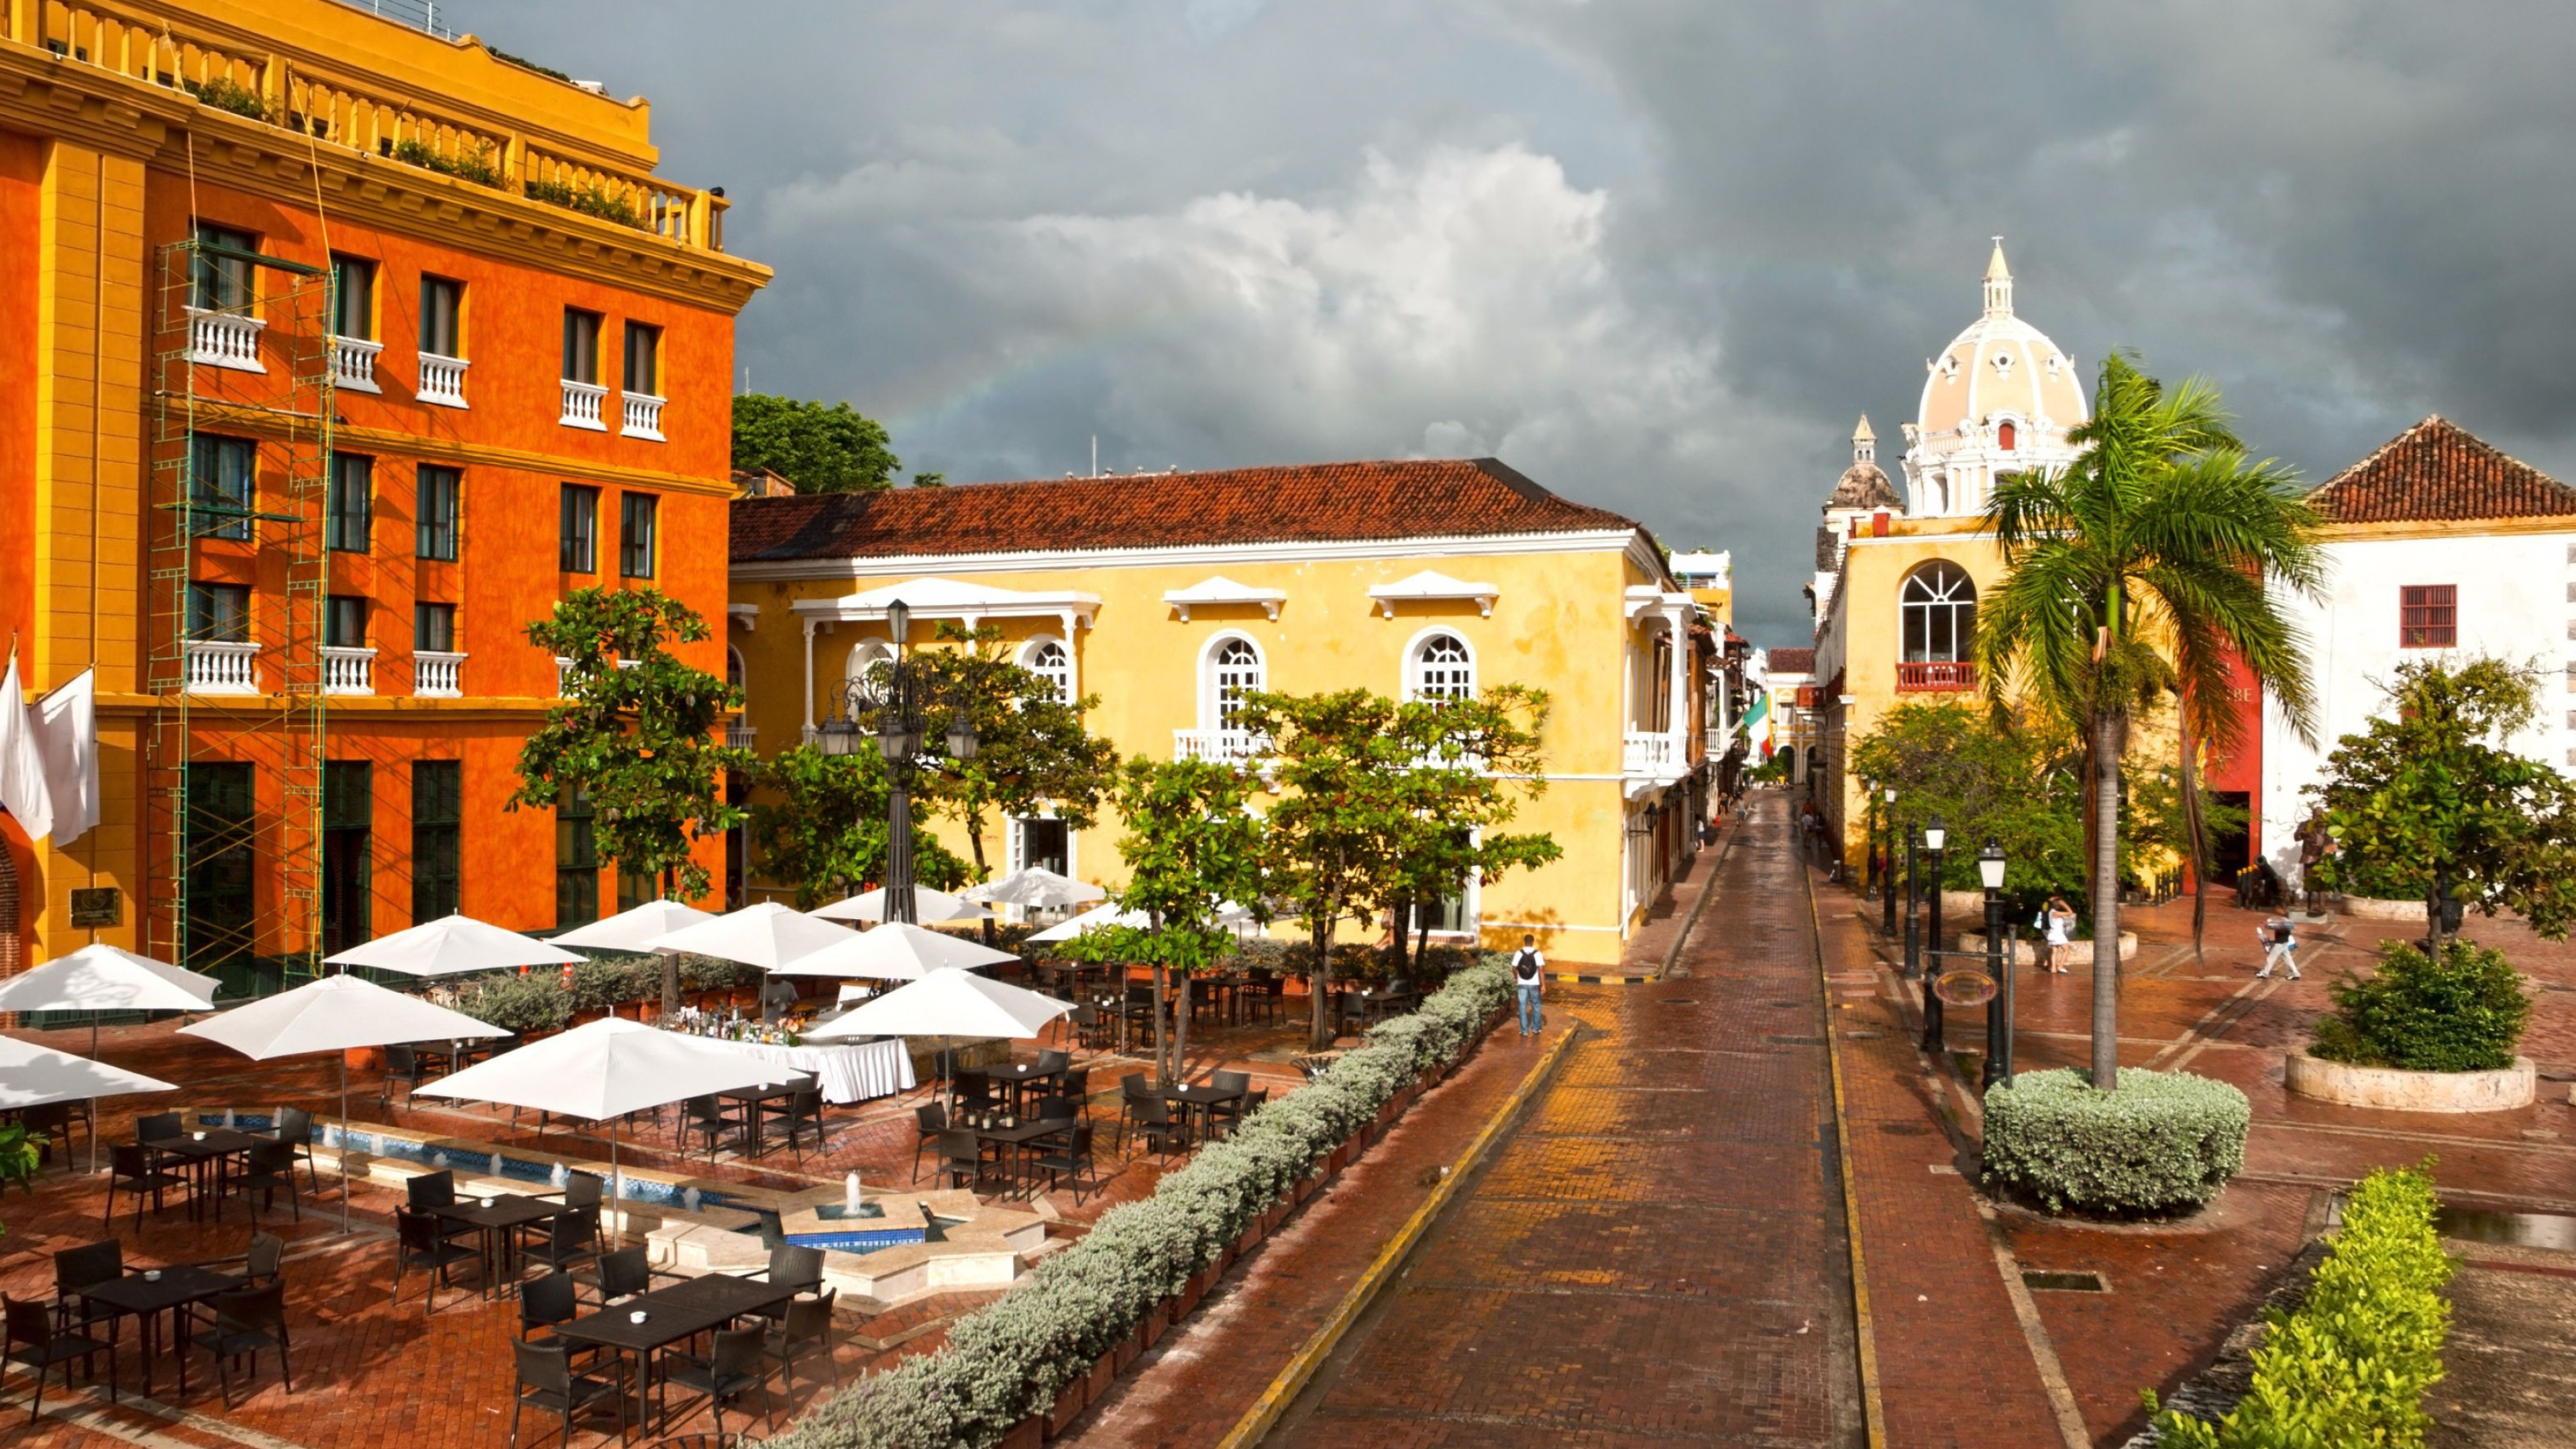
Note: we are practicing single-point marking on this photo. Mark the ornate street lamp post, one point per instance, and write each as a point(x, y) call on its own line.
point(897, 706)
point(1990, 870)
point(1935, 835)
point(1913, 908)
point(1887, 871)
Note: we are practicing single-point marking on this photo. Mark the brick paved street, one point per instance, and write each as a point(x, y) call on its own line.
point(1653, 1254)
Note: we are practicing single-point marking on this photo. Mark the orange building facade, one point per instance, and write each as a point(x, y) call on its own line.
point(337, 353)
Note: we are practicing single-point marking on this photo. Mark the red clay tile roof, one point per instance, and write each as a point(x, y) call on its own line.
point(1323, 502)
point(1793, 661)
point(2437, 471)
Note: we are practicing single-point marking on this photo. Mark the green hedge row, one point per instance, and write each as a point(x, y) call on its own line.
point(2352, 1364)
point(2164, 1140)
point(1013, 1358)
point(539, 1000)
point(2464, 1013)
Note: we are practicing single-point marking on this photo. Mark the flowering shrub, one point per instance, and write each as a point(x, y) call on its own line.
point(2164, 1140)
point(1010, 1360)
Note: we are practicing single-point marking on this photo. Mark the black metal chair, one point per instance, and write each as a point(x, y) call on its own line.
point(1077, 1088)
point(1228, 1113)
point(793, 1267)
point(271, 1166)
point(295, 1129)
point(158, 1127)
point(548, 1384)
point(929, 1121)
point(77, 1270)
point(808, 1325)
point(565, 1241)
point(431, 1190)
point(962, 1153)
point(737, 1364)
point(248, 1321)
point(707, 1118)
point(403, 1065)
point(419, 1243)
point(1132, 1090)
point(47, 1121)
point(131, 1171)
point(262, 1263)
point(28, 1336)
point(1155, 1123)
point(802, 1109)
point(546, 1301)
point(1072, 1159)
point(620, 1274)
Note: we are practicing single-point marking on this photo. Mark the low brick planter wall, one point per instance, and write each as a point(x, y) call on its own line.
point(2397, 1090)
point(2072, 954)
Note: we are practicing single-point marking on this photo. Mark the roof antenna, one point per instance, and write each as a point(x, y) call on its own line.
point(1095, 455)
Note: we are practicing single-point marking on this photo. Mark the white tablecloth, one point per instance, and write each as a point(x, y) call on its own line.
point(847, 1071)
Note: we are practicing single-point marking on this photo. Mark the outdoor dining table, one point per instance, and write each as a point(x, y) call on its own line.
point(749, 1100)
point(455, 1053)
point(213, 1149)
point(1201, 1101)
point(496, 1222)
point(1016, 1139)
point(1015, 1078)
point(671, 1315)
point(167, 1290)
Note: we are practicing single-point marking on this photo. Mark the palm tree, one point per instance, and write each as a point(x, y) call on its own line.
point(2137, 571)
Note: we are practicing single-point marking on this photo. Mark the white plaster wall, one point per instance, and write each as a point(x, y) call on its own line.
point(2514, 602)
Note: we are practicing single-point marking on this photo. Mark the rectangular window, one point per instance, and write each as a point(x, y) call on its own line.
point(442, 317)
point(643, 359)
point(2428, 616)
point(344, 621)
point(348, 806)
point(219, 613)
point(221, 825)
point(222, 485)
point(578, 549)
point(635, 518)
point(437, 512)
point(353, 297)
point(635, 888)
point(348, 511)
point(433, 628)
point(576, 863)
point(219, 283)
point(437, 837)
point(580, 346)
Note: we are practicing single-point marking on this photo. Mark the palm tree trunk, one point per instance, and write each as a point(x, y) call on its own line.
point(2110, 735)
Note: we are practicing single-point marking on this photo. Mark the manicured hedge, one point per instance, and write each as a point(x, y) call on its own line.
point(1010, 1360)
point(2164, 1140)
point(2464, 1014)
point(2352, 1365)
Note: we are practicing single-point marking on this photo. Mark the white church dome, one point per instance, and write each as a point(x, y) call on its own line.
point(2000, 369)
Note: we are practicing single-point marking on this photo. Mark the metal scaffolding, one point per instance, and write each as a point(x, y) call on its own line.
point(234, 630)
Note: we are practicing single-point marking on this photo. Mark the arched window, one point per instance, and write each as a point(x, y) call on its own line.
point(2004, 436)
point(865, 657)
point(1937, 614)
point(1234, 669)
point(1440, 667)
point(1047, 659)
point(735, 674)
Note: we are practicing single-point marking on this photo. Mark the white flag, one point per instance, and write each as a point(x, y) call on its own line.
point(22, 766)
point(67, 733)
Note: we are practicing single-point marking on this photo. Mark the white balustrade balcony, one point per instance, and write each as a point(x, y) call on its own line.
point(353, 363)
point(223, 666)
point(581, 405)
point(643, 416)
point(437, 676)
point(740, 736)
point(1224, 747)
point(442, 380)
point(348, 671)
point(1655, 753)
point(224, 339)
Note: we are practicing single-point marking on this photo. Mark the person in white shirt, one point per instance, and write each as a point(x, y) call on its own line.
point(1529, 973)
point(2280, 937)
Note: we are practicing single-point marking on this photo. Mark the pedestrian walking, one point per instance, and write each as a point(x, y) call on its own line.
point(1529, 973)
point(2056, 933)
point(2280, 937)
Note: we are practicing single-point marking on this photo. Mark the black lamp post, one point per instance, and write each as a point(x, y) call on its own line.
point(900, 734)
point(1887, 871)
point(1935, 836)
point(1913, 909)
point(1990, 870)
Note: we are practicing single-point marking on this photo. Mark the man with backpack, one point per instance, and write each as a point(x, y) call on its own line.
point(1529, 971)
point(2280, 937)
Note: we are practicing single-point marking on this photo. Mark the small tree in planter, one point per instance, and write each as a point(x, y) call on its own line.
point(2462, 1013)
point(2430, 792)
point(826, 829)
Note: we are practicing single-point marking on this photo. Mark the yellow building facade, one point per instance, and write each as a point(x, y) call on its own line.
point(1167, 595)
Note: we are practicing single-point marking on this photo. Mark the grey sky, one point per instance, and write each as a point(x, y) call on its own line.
point(1655, 253)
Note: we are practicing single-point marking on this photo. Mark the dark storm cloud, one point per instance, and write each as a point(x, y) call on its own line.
point(1657, 254)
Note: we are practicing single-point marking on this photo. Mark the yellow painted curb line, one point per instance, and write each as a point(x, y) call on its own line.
point(1873, 1413)
point(1301, 1367)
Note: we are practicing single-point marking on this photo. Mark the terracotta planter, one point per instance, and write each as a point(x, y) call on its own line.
point(1306, 1186)
point(1029, 1433)
point(1251, 1239)
point(1333, 1164)
point(1104, 1372)
point(1068, 1407)
point(1157, 1320)
point(1275, 1215)
point(1124, 1352)
point(1186, 1302)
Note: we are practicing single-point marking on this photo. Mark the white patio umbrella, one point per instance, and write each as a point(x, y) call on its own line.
point(767, 935)
point(932, 907)
point(948, 1003)
point(452, 944)
point(604, 1069)
point(334, 1014)
point(1038, 887)
point(629, 930)
point(1228, 914)
point(97, 978)
point(31, 1076)
point(894, 952)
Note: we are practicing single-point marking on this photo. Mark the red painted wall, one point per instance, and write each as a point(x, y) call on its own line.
point(21, 172)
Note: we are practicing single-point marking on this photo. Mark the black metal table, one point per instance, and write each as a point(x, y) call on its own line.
point(496, 1230)
point(1015, 1078)
point(1201, 1102)
point(671, 1315)
point(213, 1147)
point(147, 1298)
point(750, 1099)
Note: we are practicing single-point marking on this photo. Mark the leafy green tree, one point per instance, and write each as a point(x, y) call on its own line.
point(2431, 793)
point(1360, 780)
point(834, 449)
point(1193, 846)
point(1032, 753)
point(637, 733)
point(2140, 570)
point(824, 827)
point(2019, 783)
point(1483, 759)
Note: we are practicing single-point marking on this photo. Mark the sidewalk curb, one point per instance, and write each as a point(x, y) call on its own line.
point(1681, 937)
point(1873, 1411)
point(1300, 1369)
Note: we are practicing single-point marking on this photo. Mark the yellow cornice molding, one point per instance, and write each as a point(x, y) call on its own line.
point(128, 116)
point(218, 416)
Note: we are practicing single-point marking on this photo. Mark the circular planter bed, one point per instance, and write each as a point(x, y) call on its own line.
point(2077, 953)
point(2368, 908)
point(2395, 1089)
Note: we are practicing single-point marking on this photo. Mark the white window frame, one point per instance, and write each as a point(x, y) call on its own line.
point(1907, 605)
point(1211, 684)
point(1061, 675)
point(1414, 650)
